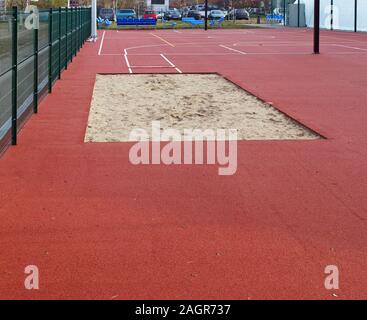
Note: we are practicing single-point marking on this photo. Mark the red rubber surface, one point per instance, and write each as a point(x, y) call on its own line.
point(99, 227)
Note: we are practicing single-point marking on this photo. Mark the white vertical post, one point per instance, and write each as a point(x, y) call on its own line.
point(94, 20)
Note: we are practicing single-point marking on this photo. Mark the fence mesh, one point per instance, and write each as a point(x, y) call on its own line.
point(32, 59)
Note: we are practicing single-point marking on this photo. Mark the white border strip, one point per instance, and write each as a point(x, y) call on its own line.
point(101, 45)
point(228, 48)
point(171, 64)
point(127, 61)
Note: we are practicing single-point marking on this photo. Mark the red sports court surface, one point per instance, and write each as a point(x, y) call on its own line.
point(99, 227)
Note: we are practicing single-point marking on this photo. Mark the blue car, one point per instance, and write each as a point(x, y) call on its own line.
point(125, 14)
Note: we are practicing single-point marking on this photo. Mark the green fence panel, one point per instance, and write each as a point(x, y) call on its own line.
point(31, 60)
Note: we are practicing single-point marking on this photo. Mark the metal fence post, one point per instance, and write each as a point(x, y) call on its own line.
point(14, 109)
point(50, 51)
point(298, 13)
point(206, 15)
point(77, 31)
point(316, 39)
point(35, 72)
point(74, 31)
point(59, 69)
point(66, 37)
point(80, 28)
point(355, 15)
point(332, 15)
point(84, 33)
point(71, 34)
point(284, 16)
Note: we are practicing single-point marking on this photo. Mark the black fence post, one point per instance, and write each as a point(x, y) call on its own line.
point(284, 11)
point(66, 38)
point(76, 31)
point(332, 15)
point(59, 67)
point(14, 104)
point(71, 34)
point(79, 29)
point(75, 37)
point(298, 13)
point(83, 24)
point(355, 15)
point(35, 72)
point(206, 14)
point(50, 51)
point(316, 41)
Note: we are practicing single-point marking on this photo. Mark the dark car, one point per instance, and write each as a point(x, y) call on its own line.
point(194, 14)
point(239, 14)
point(172, 15)
point(107, 13)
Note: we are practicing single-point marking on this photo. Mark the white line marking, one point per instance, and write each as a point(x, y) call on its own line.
point(172, 65)
point(238, 51)
point(160, 38)
point(127, 61)
point(164, 57)
point(101, 45)
point(231, 54)
point(356, 48)
point(152, 66)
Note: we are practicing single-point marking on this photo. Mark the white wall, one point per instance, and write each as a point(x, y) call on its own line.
point(362, 15)
point(158, 7)
point(343, 15)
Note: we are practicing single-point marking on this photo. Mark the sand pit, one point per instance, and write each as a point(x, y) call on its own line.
point(122, 103)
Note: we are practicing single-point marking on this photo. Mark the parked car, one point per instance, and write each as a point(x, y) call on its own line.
point(107, 13)
point(260, 11)
point(125, 13)
point(224, 11)
point(216, 14)
point(239, 14)
point(149, 14)
point(194, 14)
point(160, 14)
point(172, 15)
point(210, 8)
point(185, 11)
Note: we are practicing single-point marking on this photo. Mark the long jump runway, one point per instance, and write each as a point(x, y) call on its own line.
point(99, 227)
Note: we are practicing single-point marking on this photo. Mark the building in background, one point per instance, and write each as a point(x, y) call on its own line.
point(2, 5)
point(73, 3)
point(158, 5)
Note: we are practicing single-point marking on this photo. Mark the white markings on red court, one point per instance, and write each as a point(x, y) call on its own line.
point(350, 47)
point(231, 49)
point(127, 61)
point(101, 45)
point(171, 64)
point(132, 67)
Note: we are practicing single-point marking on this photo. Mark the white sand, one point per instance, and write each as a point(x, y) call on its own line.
point(122, 103)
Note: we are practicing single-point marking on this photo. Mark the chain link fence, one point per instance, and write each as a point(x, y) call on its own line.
point(33, 58)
